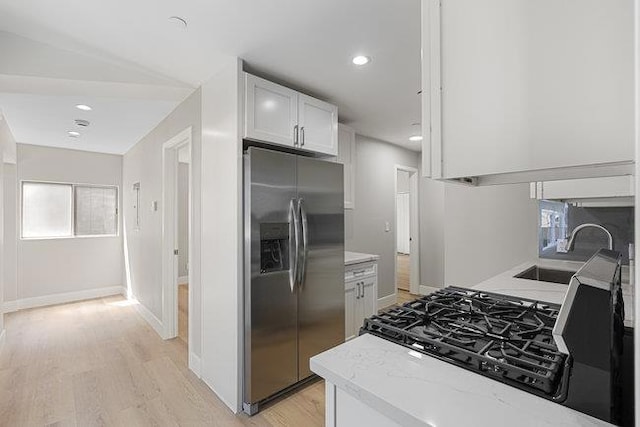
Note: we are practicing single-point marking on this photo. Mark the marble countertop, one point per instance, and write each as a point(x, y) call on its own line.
point(357, 257)
point(506, 283)
point(418, 390)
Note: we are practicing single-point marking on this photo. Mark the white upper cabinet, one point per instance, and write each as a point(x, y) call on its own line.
point(271, 111)
point(318, 121)
point(521, 90)
point(347, 156)
point(279, 115)
point(613, 187)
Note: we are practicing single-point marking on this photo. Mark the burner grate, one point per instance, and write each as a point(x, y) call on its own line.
point(502, 337)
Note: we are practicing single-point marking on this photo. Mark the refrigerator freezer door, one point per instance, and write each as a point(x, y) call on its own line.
point(321, 296)
point(271, 355)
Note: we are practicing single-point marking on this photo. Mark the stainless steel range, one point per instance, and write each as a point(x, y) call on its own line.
point(570, 354)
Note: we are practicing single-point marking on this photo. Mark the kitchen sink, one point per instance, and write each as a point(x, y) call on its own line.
point(546, 275)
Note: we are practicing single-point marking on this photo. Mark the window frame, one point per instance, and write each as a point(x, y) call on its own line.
point(73, 186)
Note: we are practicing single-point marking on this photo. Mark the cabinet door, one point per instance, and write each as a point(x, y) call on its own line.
point(347, 156)
point(318, 122)
point(520, 85)
point(369, 298)
point(350, 301)
point(271, 112)
point(588, 188)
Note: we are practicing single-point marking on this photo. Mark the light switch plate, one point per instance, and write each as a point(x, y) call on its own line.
point(387, 226)
point(154, 206)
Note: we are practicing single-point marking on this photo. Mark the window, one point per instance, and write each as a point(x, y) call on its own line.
point(96, 210)
point(52, 210)
point(553, 224)
point(46, 210)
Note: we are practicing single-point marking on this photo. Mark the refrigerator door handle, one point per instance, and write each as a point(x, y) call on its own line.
point(294, 231)
point(305, 241)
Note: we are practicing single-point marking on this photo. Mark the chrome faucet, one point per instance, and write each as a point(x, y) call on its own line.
point(574, 233)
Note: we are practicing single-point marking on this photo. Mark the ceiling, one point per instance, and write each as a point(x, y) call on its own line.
point(133, 66)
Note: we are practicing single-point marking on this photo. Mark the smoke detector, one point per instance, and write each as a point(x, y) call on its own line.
point(82, 122)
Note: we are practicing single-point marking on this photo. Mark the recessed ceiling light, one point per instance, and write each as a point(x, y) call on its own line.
point(83, 107)
point(81, 122)
point(415, 138)
point(73, 134)
point(361, 60)
point(178, 22)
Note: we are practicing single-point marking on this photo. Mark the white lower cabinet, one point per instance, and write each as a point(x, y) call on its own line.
point(342, 409)
point(361, 296)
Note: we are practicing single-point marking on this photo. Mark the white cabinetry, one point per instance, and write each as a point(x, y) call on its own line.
point(615, 190)
point(361, 295)
point(318, 121)
point(347, 156)
point(279, 115)
point(271, 112)
point(518, 87)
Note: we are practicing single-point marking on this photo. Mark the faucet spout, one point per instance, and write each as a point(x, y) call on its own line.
point(574, 233)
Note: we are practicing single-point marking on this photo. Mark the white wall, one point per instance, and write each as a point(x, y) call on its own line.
point(432, 220)
point(10, 212)
point(57, 266)
point(8, 147)
point(468, 234)
point(215, 326)
point(375, 205)
point(487, 230)
point(143, 245)
point(222, 234)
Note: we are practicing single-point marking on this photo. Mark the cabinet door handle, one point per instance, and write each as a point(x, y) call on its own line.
point(362, 290)
point(358, 290)
point(302, 135)
point(295, 135)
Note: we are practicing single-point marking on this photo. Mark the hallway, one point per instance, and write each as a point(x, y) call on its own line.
point(97, 362)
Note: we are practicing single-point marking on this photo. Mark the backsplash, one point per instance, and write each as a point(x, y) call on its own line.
point(564, 218)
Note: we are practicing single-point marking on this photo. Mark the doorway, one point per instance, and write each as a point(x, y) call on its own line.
point(182, 282)
point(407, 257)
point(177, 236)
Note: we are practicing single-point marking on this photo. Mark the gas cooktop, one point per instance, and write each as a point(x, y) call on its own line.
point(505, 338)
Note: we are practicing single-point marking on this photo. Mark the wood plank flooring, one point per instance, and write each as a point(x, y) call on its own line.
point(404, 271)
point(183, 312)
point(98, 363)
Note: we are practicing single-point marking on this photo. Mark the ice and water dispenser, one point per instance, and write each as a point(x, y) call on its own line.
point(274, 247)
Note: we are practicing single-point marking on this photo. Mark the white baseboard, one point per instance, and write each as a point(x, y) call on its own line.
point(63, 298)
point(195, 365)
point(183, 280)
point(10, 306)
point(386, 301)
point(151, 318)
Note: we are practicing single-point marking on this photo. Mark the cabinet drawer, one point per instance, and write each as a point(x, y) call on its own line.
point(358, 271)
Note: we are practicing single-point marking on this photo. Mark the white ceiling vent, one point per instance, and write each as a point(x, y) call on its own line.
point(83, 123)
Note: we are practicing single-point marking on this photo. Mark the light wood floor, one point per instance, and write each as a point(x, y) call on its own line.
point(183, 312)
point(98, 363)
point(404, 271)
point(404, 296)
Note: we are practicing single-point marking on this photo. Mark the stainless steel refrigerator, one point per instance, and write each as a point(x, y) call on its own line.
point(294, 269)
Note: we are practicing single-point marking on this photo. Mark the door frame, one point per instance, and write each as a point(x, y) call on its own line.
point(170, 234)
point(414, 229)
